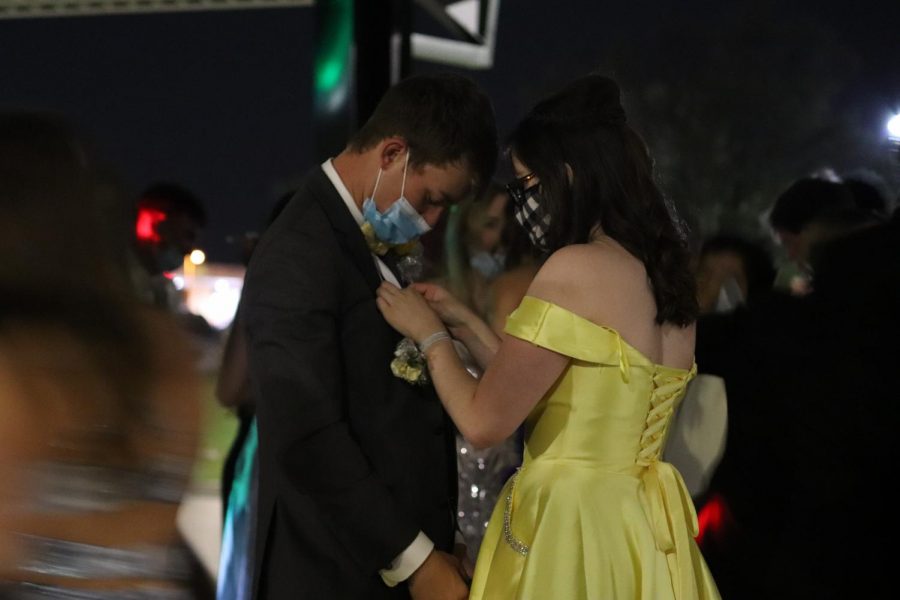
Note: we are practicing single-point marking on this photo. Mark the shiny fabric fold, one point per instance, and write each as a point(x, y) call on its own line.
point(674, 520)
point(553, 327)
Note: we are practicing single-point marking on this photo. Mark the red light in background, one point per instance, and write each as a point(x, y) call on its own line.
point(712, 517)
point(145, 225)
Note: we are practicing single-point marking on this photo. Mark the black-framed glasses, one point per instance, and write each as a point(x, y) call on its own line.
point(517, 190)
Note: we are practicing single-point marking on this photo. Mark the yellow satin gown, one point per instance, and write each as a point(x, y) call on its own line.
point(594, 513)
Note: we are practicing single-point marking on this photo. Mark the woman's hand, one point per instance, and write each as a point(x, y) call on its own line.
point(452, 312)
point(408, 312)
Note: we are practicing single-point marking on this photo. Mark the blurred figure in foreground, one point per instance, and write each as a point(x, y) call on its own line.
point(98, 391)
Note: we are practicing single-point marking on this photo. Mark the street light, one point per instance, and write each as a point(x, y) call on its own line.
point(893, 127)
point(198, 257)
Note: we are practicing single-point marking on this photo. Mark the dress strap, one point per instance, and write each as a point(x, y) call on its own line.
point(550, 326)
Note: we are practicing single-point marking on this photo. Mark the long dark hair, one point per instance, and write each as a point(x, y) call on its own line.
point(611, 186)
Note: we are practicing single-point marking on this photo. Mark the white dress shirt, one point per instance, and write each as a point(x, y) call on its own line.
point(415, 554)
point(383, 270)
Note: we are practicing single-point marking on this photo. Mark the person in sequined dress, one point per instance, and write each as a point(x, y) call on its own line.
point(485, 250)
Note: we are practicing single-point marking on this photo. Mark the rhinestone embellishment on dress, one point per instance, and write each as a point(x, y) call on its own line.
point(514, 542)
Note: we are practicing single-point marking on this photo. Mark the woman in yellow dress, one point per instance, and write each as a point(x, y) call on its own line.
point(594, 361)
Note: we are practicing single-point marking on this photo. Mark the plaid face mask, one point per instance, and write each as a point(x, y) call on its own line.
point(531, 216)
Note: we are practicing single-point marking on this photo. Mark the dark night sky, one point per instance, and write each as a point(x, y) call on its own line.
point(221, 101)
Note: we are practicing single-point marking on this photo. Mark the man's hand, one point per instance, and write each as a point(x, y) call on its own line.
point(438, 579)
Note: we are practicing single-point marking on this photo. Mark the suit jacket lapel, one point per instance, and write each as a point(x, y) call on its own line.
point(345, 227)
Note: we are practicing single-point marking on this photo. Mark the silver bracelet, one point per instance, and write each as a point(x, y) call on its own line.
point(433, 339)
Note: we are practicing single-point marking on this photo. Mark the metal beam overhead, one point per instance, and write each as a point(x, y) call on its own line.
point(21, 9)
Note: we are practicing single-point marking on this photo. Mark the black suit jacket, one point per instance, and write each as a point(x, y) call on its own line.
point(353, 462)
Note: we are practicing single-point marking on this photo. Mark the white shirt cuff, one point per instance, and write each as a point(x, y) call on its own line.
point(408, 561)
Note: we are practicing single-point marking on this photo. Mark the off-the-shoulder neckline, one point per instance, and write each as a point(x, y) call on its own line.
point(612, 331)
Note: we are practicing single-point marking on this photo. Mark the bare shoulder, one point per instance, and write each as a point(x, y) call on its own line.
point(677, 345)
point(598, 259)
point(595, 280)
point(604, 283)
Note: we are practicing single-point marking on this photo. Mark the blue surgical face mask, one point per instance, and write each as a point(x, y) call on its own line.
point(401, 223)
point(488, 264)
point(730, 296)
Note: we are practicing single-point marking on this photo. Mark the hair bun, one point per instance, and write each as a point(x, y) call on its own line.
point(588, 102)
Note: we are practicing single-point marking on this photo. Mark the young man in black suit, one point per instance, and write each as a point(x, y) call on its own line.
point(357, 486)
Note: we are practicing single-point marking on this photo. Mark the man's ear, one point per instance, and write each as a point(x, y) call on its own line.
point(391, 150)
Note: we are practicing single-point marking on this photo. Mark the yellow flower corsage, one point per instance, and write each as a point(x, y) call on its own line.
point(381, 248)
point(409, 363)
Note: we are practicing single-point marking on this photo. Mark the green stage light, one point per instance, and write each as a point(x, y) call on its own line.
point(332, 61)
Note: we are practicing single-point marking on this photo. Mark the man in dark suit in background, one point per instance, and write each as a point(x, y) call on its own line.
point(357, 484)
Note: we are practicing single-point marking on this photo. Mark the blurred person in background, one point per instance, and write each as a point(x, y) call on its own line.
point(793, 211)
point(802, 484)
point(868, 197)
point(520, 267)
point(168, 221)
point(476, 250)
point(240, 470)
point(103, 387)
point(731, 271)
point(830, 226)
